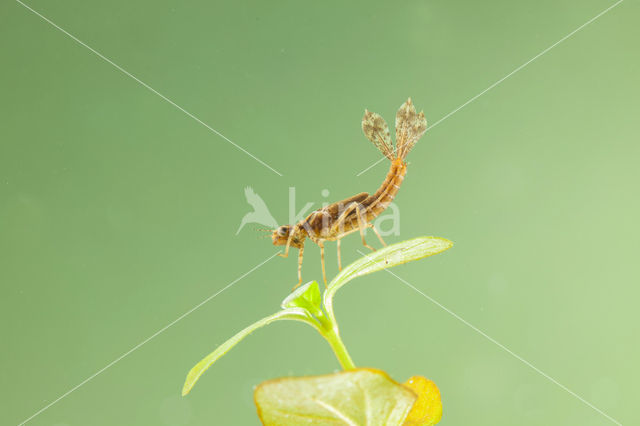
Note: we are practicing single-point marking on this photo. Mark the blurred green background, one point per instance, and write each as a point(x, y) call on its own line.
point(118, 212)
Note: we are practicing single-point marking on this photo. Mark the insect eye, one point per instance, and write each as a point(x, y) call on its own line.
point(282, 231)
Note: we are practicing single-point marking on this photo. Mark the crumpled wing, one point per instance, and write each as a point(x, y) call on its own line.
point(410, 126)
point(377, 131)
point(336, 209)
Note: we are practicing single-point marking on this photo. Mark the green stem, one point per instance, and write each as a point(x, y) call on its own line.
point(331, 333)
point(333, 337)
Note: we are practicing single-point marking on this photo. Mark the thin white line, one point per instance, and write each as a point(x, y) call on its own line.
point(491, 339)
point(509, 75)
point(374, 164)
point(127, 73)
point(146, 340)
point(500, 345)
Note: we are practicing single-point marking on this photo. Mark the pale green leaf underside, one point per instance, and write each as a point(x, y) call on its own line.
point(353, 397)
point(295, 314)
point(305, 297)
point(395, 254)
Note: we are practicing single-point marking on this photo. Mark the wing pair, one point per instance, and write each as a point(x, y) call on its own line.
point(410, 126)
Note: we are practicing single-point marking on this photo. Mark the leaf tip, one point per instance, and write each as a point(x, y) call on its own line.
point(188, 385)
point(442, 243)
point(448, 243)
point(192, 377)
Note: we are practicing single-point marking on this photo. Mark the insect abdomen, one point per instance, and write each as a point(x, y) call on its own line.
point(379, 201)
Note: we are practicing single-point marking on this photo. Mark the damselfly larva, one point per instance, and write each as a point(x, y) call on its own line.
point(336, 220)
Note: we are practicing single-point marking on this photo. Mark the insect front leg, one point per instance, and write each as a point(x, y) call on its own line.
point(286, 250)
point(300, 255)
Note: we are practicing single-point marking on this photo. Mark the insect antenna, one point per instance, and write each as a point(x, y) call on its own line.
point(264, 229)
point(267, 232)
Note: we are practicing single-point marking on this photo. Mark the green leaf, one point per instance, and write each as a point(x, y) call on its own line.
point(356, 397)
point(395, 254)
point(306, 297)
point(295, 314)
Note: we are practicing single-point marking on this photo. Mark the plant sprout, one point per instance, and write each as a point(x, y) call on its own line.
point(355, 396)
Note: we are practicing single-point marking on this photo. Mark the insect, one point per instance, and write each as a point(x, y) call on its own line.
point(333, 222)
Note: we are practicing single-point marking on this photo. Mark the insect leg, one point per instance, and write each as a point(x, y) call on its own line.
point(324, 275)
point(286, 250)
point(362, 225)
point(339, 258)
point(377, 234)
point(300, 254)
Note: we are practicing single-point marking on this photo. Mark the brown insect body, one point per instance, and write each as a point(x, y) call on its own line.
point(320, 224)
point(355, 213)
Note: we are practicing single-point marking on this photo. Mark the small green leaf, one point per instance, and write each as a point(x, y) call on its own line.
point(295, 314)
point(395, 254)
point(306, 297)
point(356, 397)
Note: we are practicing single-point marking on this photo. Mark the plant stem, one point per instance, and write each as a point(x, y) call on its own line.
point(332, 335)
